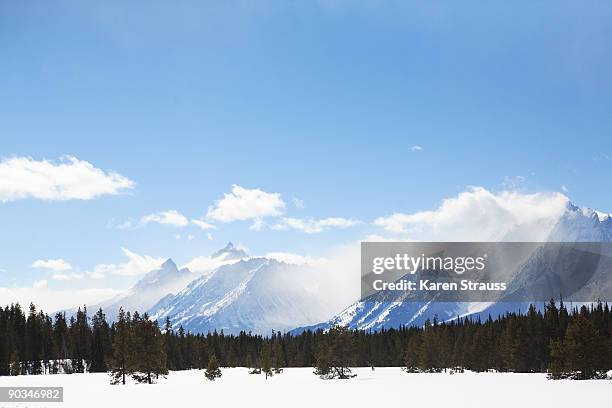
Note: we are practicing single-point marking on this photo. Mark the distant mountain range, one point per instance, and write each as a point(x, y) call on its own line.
point(260, 294)
point(148, 290)
point(575, 225)
point(254, 294)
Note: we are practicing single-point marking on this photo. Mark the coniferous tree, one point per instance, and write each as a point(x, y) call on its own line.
point(122, 358)
point(15, 363)
point(411, 354)
point(148, 355)
point(101, 343)
point(427, 354)
point(580, 347)
point(266, 361)
point(337, 354)
point(80, 341)
point(33, 349)
point(568, 344)
point(557, 367)
point(323, 359)
point(212, 370)
point(277, 354)
point(60, 340)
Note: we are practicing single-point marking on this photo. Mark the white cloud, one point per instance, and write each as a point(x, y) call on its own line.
point(67, 276)
point(135, 265)
point(416, 148)
point(209, 236)
point(171, 217)
point(313, 226)
point(177, 236)
point(564, 188)
point(202, 224)
point(69, 178)
point(205, 264)
point(246, 204)
point(478, 214)
point(190, 237)
point(57, 265)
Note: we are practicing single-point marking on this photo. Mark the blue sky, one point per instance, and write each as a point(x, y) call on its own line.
point(323, 102)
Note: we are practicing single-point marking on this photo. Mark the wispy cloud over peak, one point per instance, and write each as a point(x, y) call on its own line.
point(202, 224)
point(477, 214)
point(135, 265)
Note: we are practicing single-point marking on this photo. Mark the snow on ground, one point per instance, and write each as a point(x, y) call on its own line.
point(299, 387)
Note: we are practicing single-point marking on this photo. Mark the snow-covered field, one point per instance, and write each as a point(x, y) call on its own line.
point(298, 387)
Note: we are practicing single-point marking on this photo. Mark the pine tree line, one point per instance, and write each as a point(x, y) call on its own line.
point(566, 344)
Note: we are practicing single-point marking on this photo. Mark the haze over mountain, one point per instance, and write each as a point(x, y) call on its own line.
point(148, 290)
point(574, 225)
point(238, 293)
point(166, 281)
point(255, 294)
point(234, 292)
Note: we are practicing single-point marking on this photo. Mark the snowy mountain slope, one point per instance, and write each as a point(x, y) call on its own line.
point(159, 285)
point(575, 225)
point(148, 290)
point(230, 252)
point(256, 294)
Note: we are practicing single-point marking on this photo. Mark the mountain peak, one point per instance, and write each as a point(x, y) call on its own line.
point(230, 251)
point(169, 264)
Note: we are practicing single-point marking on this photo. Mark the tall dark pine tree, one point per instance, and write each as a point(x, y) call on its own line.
point(80, 341)
point(149, 357)
point(557, 367)
point(575, 344)
point(411, 354)
point(278, 354)
point(122, 359)
point(266, 360)
point(581, 347)
point(33, 350)
point(101, 343)
point(324, 359)
point(337, 354)
point(170, 345)
point(427, 355)
point(5, 347)
point(60, 341)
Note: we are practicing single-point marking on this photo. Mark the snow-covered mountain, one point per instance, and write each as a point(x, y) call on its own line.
point(234, 292)
point(230, 252)
point(575, 225)
point(229, 291)
point(148, 290)
point(255, 294)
